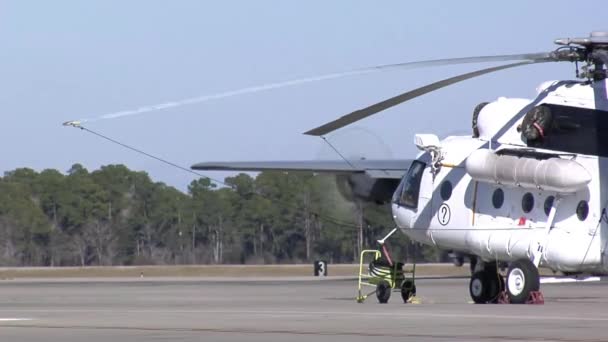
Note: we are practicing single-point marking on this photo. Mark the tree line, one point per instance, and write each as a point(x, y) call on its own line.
point(116, 216)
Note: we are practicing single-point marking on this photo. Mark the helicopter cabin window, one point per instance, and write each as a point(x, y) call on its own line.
point(411, 185)
point(582, 210)
point(527, 202)
point(568, 129)
point(446, 190)
point(498, 198)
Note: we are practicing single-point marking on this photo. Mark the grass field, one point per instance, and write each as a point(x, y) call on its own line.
point(232, 271)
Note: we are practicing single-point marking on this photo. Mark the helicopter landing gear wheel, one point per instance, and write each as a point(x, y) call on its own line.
point(479, 287)
point(522, 280)
point(486, 285)
point(383, 291)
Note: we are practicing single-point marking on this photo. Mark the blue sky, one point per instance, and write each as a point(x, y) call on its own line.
point(63, 60)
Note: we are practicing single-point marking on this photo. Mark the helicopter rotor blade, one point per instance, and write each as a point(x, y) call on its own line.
point(396, 100)
point(535, 57)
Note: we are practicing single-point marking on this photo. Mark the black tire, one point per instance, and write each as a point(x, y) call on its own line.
point(408, 289)
point(478, 287)
point(522, 278)
point(383, 291)
point(496, 284)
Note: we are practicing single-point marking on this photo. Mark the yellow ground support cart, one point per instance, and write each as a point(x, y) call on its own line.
point(385, 275)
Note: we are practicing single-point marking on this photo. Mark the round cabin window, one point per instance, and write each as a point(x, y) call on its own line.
point(527, 202)
point(582, 210)
point(548, 204)
point(498, 198)
point(446, 190)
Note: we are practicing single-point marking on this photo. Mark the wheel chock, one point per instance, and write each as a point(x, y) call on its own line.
point(535, 297)
point(503, 298)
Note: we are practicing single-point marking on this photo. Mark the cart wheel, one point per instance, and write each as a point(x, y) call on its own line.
point(408, 289)
point(383, 291)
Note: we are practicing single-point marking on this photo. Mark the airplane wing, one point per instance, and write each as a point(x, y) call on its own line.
point(389, 168)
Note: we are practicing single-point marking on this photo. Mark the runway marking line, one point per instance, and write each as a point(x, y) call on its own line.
point(14, 319)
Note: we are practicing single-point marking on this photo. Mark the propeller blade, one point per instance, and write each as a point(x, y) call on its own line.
point(393, 101)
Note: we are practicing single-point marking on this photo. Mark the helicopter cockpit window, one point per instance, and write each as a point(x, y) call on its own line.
point(568, 129)
point(411, 185)
point(397, 193)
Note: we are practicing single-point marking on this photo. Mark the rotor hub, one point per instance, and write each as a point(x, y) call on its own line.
point(592, 50)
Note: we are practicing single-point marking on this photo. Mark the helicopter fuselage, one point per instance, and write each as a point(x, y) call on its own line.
point(531, 185)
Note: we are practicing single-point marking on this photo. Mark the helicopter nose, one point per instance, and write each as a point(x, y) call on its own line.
point(402, 216)
point(405, 220)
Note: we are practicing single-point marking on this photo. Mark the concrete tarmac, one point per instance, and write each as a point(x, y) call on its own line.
point(295, 310)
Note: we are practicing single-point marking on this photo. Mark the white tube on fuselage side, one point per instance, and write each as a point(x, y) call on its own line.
point(509, 244)
point(569, 251)
point(564, 251)
point(553, 174)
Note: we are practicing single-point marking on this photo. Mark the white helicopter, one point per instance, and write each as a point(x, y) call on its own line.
point(528, 187)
